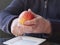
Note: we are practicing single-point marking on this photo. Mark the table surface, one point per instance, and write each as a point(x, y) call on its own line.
point(45, 43)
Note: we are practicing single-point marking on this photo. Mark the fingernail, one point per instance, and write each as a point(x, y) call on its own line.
point(29, 9)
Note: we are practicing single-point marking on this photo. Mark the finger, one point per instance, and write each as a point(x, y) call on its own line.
point(17, 31)
point(31, 22)
point(28, 29)
point(32, 12)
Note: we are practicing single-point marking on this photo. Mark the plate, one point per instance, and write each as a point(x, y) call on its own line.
point(24, 40)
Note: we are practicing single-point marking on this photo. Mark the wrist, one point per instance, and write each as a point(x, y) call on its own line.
point(48, 27)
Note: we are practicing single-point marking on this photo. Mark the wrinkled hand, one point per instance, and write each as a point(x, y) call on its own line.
point(38, 25)
point(16, 29)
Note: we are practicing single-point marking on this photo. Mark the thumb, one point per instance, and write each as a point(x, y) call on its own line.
point(33, 21)
point(29, 10)
point(30, 22)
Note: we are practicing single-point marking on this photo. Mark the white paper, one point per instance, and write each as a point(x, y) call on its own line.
point(24, 40)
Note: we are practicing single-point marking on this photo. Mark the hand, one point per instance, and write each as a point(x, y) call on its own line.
point(38, 24)
point(16, 29)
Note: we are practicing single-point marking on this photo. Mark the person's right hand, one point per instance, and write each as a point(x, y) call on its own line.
point(16, 29)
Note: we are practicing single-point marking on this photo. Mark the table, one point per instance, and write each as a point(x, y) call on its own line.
point(45, 43)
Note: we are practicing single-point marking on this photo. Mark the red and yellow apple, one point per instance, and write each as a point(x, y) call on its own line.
point(25, 16)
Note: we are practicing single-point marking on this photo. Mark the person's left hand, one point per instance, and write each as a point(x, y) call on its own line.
point(37, 25)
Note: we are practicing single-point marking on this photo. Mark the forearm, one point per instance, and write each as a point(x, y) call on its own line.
point(55, 27)
point(5, 20)
point(9, 13)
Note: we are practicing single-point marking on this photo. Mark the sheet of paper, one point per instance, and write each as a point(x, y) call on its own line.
point(24, 40)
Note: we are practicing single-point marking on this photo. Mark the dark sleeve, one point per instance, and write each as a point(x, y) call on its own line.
point(55, 25)
point(9, 13)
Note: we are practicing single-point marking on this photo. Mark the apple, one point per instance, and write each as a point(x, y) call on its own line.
point(25, 16)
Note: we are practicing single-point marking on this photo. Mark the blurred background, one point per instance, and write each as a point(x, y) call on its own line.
point(4, 4)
